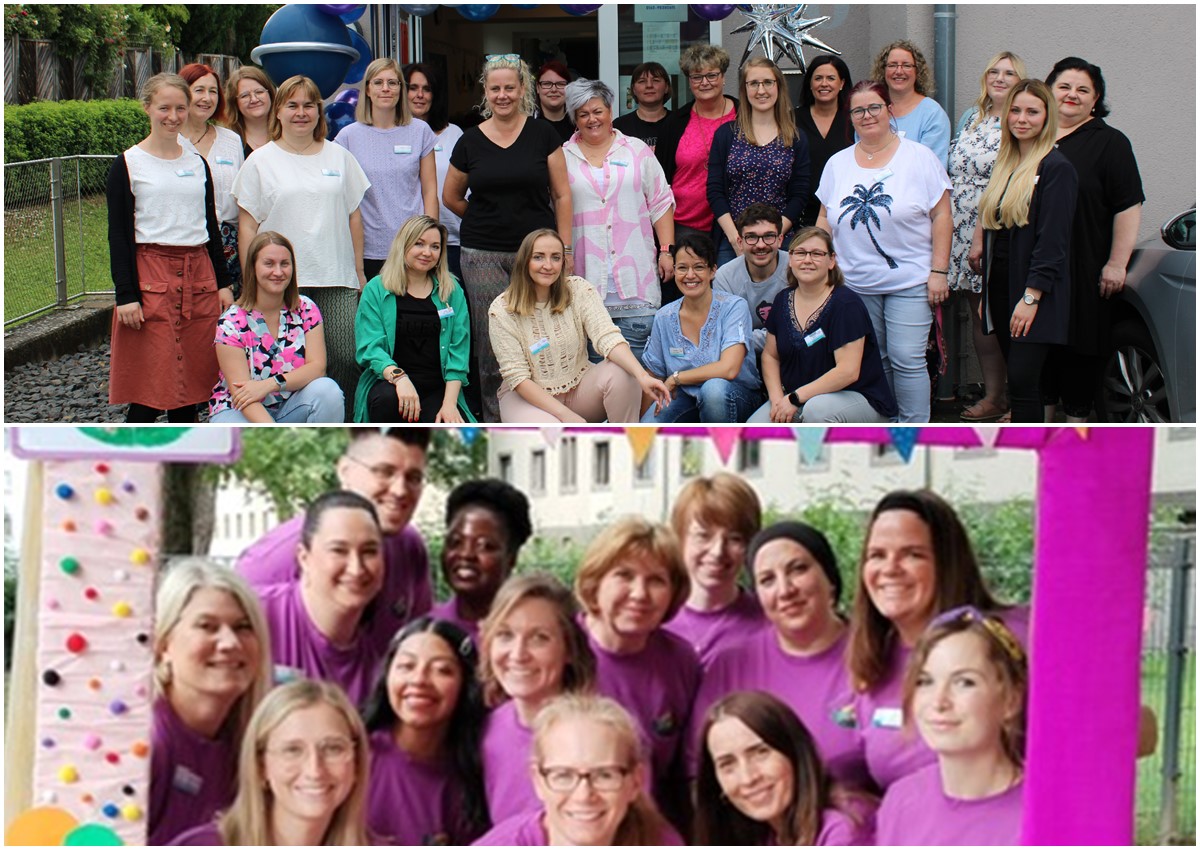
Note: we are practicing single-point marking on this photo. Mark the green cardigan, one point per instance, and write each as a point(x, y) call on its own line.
point(375, 340)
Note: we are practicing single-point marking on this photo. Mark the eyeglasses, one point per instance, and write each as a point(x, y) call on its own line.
point(710, 77)
point(994, 626)
point(378, 83)
point(755, 238)
point(900, 66)
point(329, 751)
point(765, 85)
point(857, 113)
point(801, 254)
point(253, 94)
point(564, 780)
point(386, 474)
point(548, 85)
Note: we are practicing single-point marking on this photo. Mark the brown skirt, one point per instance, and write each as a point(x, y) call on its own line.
point(170, 362)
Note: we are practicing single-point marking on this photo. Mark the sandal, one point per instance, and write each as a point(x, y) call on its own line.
point(982, 411)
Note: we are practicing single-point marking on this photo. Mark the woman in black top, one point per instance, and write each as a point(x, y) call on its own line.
point(823, 115)
point(551, 85)
point(651, 87)
point(1107, 218)
point(514, 167)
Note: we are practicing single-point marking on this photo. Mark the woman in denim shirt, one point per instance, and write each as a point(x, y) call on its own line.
point(698, 345)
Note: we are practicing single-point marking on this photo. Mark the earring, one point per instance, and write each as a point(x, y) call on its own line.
point(165, 672)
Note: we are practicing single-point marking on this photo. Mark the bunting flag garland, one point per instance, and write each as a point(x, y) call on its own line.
point(811, 440)
point(641, 439)
point(988, 435)
point(551, 435)
point(905, 440)
point(725, 439)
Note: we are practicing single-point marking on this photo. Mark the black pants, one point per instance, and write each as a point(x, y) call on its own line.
point(1073, 378)
point(383, 406)
point(1024, 360)
point(140, 414)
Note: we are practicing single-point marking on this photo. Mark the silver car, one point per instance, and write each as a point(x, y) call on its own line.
point(1150, 367)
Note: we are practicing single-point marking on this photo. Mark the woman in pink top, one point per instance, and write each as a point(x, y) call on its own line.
point(762, 782)
point(965, 689)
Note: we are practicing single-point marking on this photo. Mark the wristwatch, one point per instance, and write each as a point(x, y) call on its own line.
point(1030, 300)
point(280, 381)
point(397, 375)
point(675, 377)
point(794, 399)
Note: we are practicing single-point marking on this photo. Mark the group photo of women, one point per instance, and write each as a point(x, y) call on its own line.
point(559, 262)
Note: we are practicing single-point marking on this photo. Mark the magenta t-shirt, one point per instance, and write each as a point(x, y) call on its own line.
point(892, 751)
point(711, 632)
point(411, 802)
point(201, 836)
point(816, 687)
point(448, 611)
point(690, 185)
point(506, 748)
point(526, 830)
point(915, 810)
point(407, 587)
point(300, 650)
point(192, 777)
point(657, 686)
point(838, 830)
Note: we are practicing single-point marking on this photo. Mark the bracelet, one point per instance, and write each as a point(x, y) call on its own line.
point(667, 249)
point(940, 271)
point(567, 250)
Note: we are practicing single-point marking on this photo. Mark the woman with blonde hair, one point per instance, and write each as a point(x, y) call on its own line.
point(413, 333)
point(304, 735)
point(540, 328)
point(972, 157)
point(249, 93)
point(396, 153)
point(586, 755)
point(310, 191)
point(759, 158)
point(531, 649)
point(515, 170)
point(1026, 215)
point(901, 66)
point(212, 667)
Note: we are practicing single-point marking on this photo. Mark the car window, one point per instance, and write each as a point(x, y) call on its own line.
point(1181, 233)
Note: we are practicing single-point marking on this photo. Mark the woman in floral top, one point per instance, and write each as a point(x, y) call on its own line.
point(271, 346)
point(972, 155)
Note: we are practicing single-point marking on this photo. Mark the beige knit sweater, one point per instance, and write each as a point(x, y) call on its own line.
point(558, 367)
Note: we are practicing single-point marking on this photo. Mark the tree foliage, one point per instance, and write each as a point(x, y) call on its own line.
point(232, 29)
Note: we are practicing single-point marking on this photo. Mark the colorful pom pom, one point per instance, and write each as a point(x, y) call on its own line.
point(122, 609)
point(76, 643)
point(92, 741)
point(51, 678)
point(140, 749)
point(68, 774)
point(64, 491)
point(139, 556)
point(69, 565)
point(118, 707)
point(103, 496)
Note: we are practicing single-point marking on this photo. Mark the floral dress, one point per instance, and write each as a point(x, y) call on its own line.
point(265, 355)
point(971, 160)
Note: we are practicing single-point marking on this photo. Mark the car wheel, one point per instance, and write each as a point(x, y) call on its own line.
point(1133, 387)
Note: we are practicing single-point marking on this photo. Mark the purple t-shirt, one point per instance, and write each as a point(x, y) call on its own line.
point(915, 810)
point(526, 830)
point(201, 836)
point(657, 686)
point(816, 687)
point(448, 611)
point(506, 748)
point(710, 632)
point(407, 587)
point(298, 646)
point(892, 751)
point(191, 777)
point(411, 802)
point(838, 830)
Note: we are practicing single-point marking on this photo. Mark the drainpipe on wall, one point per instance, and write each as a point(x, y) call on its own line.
point(944, 16)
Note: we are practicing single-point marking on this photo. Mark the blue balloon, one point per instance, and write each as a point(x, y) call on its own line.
point(580, 9)
point(713, 11)
point(347, 13)
point(349, 96)
point(419, 10)
point(336, 125)
point(359, 67)
point(281, 56)
point(338, 109)
point(478, 11)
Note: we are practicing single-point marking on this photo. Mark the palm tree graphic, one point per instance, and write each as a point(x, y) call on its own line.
point(860, 202)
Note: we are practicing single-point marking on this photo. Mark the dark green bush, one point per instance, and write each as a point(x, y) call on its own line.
point(71, 127)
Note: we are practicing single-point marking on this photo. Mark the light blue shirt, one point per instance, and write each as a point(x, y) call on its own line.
point(728, 323)
point(930, 125)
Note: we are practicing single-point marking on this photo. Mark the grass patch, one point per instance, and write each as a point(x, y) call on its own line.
point(1150, 782)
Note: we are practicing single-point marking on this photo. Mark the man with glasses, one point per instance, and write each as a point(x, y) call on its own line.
point(761, 272)
point(388, 470)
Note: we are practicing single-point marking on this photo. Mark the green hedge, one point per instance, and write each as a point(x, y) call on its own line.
point(71, 127)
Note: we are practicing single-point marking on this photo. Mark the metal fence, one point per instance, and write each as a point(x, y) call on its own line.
point(55, 233)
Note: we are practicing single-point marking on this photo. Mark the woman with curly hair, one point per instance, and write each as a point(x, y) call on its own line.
point(901, 66)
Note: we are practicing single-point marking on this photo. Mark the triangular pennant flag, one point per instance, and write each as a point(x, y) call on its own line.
point(641, 438)
point(1083, 433)
point(988, 435)
point(810, 440)
point(552, 434)
point(905, 439)
point(725, 439)
point(469, 434)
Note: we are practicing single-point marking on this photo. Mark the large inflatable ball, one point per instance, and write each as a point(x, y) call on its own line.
point(301, 39)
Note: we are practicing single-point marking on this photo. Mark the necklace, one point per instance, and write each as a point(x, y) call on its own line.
point(207, 127)
point(300, 152)
point(871, 154)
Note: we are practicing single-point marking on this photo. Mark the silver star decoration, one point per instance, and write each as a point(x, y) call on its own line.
point(782, 28)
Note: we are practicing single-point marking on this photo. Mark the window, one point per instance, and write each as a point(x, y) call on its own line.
point(225, 525)
point(600, 464)
point(537, 471)
point(749, 456)
point(237, 522)
point(568, 464)
point(691, 457)
point(643, 473)
point(252, 520)
point(1176, 434)
point(505, 468)
point(884, 454)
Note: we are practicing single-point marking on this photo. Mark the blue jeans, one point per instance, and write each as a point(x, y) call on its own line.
point(845, 406)
point(320, 401)
point(902, 321)
point(725, 250)
point(719, 400)
point(635, 329)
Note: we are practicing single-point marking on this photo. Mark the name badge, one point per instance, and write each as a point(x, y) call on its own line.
point(331, 172)
point(814, 337)
point(620, 162)
point(887, 718)
point(886, 173)
point(185, 172)
point(675, 351)
point(402, 149)
point(445, 313)
point(221, 160)
point(438, 148)
point(540, 346)
point(902, 134)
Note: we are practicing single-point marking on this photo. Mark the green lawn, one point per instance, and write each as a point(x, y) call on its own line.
point(1149, 801)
